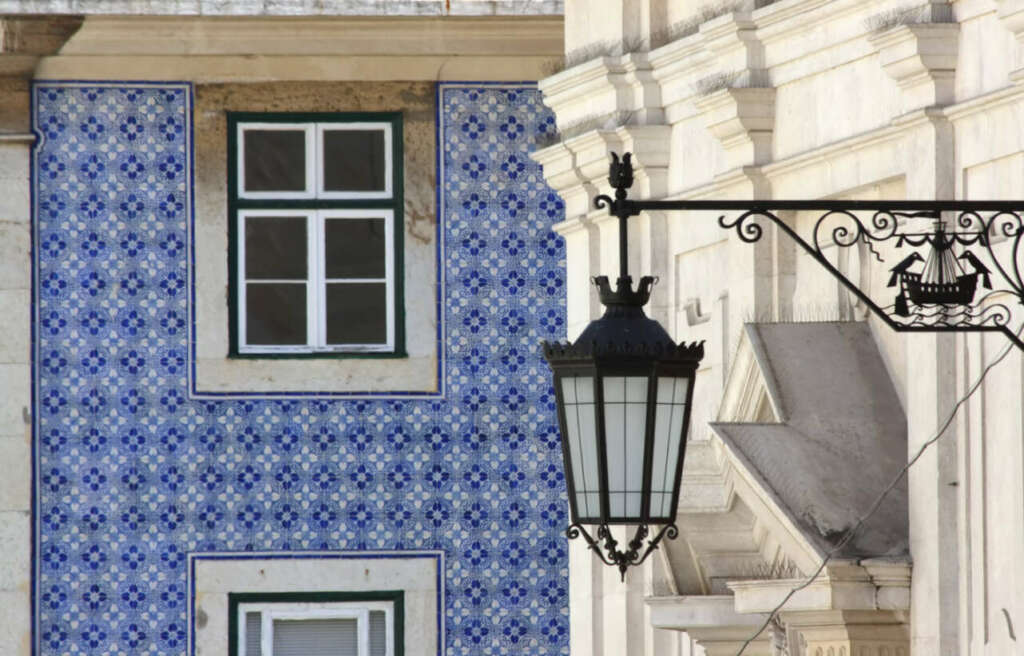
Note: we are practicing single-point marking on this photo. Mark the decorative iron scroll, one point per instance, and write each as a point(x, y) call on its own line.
point(635, 553)
point(954, 266)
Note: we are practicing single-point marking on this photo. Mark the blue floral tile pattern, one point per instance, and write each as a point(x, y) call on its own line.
point(132, 474)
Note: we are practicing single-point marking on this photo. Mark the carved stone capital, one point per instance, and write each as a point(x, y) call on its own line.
point(922, 60)
point(742, 119)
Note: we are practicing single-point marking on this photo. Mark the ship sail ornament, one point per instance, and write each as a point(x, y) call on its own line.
point(944, 281)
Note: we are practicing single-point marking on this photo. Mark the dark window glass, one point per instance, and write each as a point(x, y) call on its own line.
point(355, 248)
point(357, 313)
point(354, 160)
point(275, 313)
point(275, 160)
point(275, 248)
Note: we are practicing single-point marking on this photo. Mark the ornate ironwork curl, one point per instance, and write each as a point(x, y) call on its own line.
point(636, 551)
point(942, 269)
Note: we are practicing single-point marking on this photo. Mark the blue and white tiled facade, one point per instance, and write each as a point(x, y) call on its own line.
point(132, 474)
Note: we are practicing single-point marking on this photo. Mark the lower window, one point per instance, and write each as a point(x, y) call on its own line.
point(316, 624)
point(316, 281)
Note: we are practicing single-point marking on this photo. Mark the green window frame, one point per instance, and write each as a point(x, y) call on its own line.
point(240, 602)
point(316, 213)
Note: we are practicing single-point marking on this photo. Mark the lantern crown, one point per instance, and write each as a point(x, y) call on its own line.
point(624, 329)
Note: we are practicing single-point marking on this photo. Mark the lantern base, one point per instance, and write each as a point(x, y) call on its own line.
point(610, 554)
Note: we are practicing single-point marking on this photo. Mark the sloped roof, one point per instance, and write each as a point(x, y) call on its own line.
point(843, 439)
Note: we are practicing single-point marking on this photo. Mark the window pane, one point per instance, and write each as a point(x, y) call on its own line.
point(337, 637)
point(354, 160)
point(378, 634)
point(253, 634)
point(355, 248)
point(275, 313)
point(275, 160)
point(357, 313)
point(275, 248)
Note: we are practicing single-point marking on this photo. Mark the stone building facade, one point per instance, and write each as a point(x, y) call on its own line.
point(147, 479)
point(806, 406)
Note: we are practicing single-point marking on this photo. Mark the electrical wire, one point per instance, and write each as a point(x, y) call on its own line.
point(852, 531)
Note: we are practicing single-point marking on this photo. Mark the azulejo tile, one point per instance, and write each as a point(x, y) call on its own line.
point(132, 474)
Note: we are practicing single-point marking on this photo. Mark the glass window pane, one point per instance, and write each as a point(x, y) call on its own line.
point(354, 160)
point(581, 434)
point(355, 248)
point(378, 633)
point(275, 313)
point(668, 426)
point(253, 634)
point(275, 160)
point(333, 637)
point(625, 426)
point(357, 313)
point(275, 248)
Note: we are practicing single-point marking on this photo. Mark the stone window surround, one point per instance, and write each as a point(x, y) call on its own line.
point(216, 375)
point(212, 576)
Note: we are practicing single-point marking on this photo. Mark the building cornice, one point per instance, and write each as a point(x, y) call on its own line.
point(305, 36)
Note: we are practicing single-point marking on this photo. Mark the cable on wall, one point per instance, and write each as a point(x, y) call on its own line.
point(852, 531)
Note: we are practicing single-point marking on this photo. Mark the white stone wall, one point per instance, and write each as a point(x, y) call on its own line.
point(15, 386)
point(914, 112)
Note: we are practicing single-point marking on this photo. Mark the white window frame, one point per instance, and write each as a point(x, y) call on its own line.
point(316, 283)
point(358, 610)
point(312, 157)
point(388, 164)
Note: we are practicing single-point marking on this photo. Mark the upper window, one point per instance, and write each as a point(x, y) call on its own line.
point(316, 230)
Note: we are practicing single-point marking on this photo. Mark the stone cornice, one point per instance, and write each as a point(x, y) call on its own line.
point(844, 585)
point(25, 39)
point(303, 36)
point(993, 99)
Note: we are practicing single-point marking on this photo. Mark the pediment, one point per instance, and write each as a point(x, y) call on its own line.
point(809, 430)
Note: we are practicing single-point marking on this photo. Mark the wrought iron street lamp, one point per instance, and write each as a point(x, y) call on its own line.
point(623, 391)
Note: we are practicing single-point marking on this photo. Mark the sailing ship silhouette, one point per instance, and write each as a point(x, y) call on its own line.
point(943, 281)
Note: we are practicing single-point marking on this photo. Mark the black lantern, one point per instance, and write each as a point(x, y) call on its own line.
point(623, 391)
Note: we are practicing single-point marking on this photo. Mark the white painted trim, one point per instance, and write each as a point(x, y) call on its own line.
point(316, 283)
point(311, 158)
point(357, 610)
point(389, 163)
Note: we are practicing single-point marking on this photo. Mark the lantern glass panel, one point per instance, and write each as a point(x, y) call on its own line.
point(625, 426)
point(581, 436)
point(670, 413)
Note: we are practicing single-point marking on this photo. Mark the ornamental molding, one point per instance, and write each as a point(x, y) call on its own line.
point(605, 86)
point(363, 36)
point(743, 120)
point(25, 39)
point(922, 60)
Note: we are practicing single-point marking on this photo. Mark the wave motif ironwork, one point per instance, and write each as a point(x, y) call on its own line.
point(950, 299)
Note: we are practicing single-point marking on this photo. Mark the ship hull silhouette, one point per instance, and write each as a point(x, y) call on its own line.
point(956, 292)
